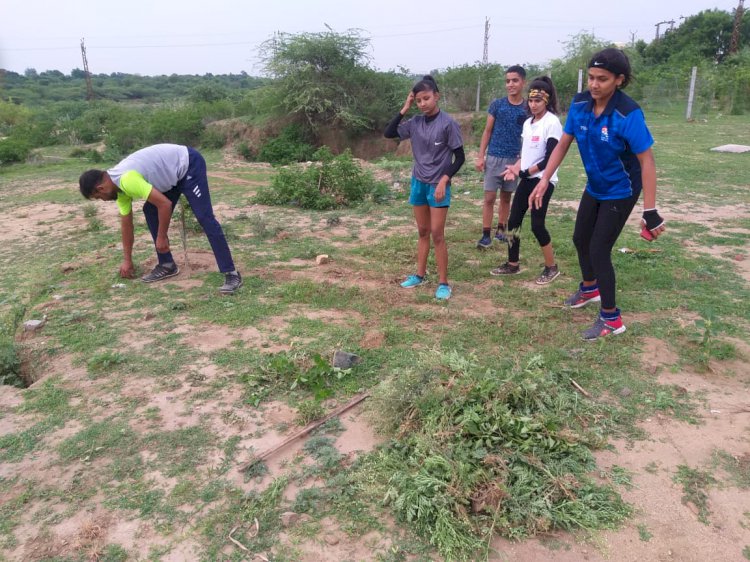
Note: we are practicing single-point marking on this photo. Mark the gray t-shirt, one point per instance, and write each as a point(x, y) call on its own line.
point(162, 165)
point(432, 143)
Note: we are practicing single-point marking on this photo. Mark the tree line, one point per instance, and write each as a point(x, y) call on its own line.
point(322, 80)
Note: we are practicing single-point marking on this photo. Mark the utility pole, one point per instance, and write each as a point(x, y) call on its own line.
point(632, 39)
point(89, 87)
point(484, 57)
point(657, 27)
point(734, 46)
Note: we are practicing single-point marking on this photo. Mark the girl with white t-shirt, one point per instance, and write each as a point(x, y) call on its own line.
point(541, 133)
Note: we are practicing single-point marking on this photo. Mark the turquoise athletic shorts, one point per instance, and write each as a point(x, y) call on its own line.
point(424, 194)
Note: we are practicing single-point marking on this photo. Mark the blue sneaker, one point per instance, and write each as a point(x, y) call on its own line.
point(443, 291)
point(500, 236)
point(412, 281)
point(484, 242)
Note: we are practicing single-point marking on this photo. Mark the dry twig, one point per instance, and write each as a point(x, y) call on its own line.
point(235, 541)
point(305, 430)
point(579, 388)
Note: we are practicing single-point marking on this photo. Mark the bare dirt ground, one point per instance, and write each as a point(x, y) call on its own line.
point(664, 526)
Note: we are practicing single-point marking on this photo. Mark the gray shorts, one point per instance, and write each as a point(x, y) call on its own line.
point(494, 168)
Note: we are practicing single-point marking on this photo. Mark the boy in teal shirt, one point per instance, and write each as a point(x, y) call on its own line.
point(160, 174)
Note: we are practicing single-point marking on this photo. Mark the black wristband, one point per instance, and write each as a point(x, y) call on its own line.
point(652, 219)
point(523, 174)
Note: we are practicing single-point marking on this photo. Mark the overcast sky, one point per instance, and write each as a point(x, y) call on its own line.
point(153, 37)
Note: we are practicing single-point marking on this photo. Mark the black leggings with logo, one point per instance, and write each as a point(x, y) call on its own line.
point(518, 210)
point(598, 225)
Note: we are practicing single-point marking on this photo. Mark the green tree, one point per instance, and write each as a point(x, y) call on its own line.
point(458, 85)
point(705, 35)
point(12, 115)
point(578, 51)
point(208, 92)
point(323, 79)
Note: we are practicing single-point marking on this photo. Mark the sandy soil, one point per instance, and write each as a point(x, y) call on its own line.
point(676, 533)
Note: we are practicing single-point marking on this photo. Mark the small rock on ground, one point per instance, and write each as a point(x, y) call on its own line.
point(289, 518)
point(31, 325)
point(345, 360)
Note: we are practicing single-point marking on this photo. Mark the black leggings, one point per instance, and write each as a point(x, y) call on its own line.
point(598, 225)
point(518, 210)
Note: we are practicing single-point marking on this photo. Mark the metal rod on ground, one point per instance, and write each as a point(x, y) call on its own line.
point(183, 235)
point(304, 431)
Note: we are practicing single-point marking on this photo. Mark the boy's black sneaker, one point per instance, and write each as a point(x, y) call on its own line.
point(161, 272)
point(506, 269)
point(232, 282)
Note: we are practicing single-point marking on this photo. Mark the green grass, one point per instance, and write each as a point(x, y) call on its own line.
point(456, 387)
point(737, 468)
point(695, 483)
point(644, 534)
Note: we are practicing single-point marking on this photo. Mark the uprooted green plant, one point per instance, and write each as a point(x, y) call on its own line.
point(489, 452)
point(318, 377)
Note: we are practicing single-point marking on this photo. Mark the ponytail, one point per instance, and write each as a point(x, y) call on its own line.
point(427, 83)
point(545, 84)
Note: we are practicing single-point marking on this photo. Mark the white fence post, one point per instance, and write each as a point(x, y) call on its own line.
point(691, 94)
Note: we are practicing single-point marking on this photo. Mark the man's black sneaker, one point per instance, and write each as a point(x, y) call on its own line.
point(161, 272)
point(232, 282)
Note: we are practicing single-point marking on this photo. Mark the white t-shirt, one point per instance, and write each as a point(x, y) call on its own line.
point(535, 137)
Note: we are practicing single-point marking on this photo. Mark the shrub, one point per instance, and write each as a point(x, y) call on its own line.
point(244, 150)
point(180, 126)
point(10, 364)
point(331, 182)
point(212, 138)
point(128, 133)
point(89, 153)
point(290, 146)
point(12, 150)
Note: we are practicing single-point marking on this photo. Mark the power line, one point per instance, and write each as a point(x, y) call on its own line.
point(225, 44)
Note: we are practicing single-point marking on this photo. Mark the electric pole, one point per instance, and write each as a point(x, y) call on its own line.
point(89, 87)
point(660, 24)
point(484, 57)
point(734, 46)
